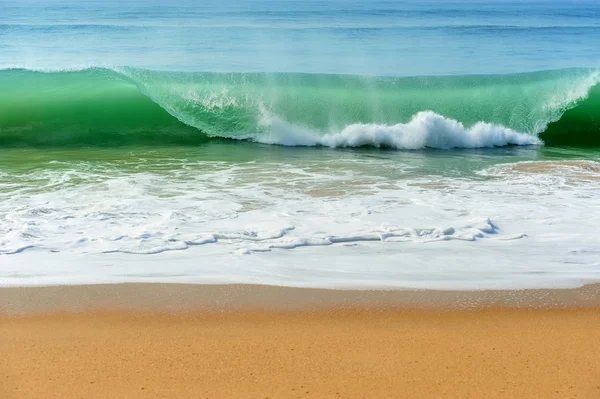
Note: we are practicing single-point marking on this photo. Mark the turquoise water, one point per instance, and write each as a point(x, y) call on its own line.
point(430, 144)
point(124, 105)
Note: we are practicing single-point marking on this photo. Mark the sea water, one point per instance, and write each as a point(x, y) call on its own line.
point(345, 144)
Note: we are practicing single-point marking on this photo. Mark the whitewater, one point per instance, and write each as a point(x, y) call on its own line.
point(336, 220)
point(329, 144)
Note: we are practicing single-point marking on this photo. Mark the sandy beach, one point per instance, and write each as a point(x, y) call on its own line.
point(158, 340)
point(299, 199)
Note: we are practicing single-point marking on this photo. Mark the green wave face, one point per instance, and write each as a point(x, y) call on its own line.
point(127, 106)
point(85, 108)
point(578, 126)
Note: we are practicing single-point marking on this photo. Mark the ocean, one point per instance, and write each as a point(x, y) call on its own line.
point(321, 143)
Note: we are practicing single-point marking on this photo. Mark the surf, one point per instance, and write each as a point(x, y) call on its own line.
point(130, 106)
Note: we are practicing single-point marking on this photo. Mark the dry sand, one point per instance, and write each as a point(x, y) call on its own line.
point(130, 341)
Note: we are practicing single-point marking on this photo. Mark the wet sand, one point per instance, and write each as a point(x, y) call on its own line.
point(158, 340)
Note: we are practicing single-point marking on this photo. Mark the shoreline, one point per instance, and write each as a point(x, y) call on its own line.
point(194, 298)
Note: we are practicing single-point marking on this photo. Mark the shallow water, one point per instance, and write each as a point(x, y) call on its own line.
point(509, 217)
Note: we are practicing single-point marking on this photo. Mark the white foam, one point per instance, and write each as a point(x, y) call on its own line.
point(352, 223)
point(425, 130)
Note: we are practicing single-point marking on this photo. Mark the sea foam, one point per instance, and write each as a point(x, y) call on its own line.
point(425, 130)
point(339, 221)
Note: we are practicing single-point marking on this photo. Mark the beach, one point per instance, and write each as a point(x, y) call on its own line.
point(168, 340)
point(324, 199)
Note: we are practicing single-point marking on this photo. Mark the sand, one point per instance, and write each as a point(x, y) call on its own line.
point(147, 341)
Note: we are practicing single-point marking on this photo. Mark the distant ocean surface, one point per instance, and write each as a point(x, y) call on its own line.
point(342, 144)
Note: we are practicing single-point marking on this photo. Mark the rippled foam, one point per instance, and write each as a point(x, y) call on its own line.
point(376, 225)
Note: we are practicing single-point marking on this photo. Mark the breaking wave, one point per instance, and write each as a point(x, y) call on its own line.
point(129, 106)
